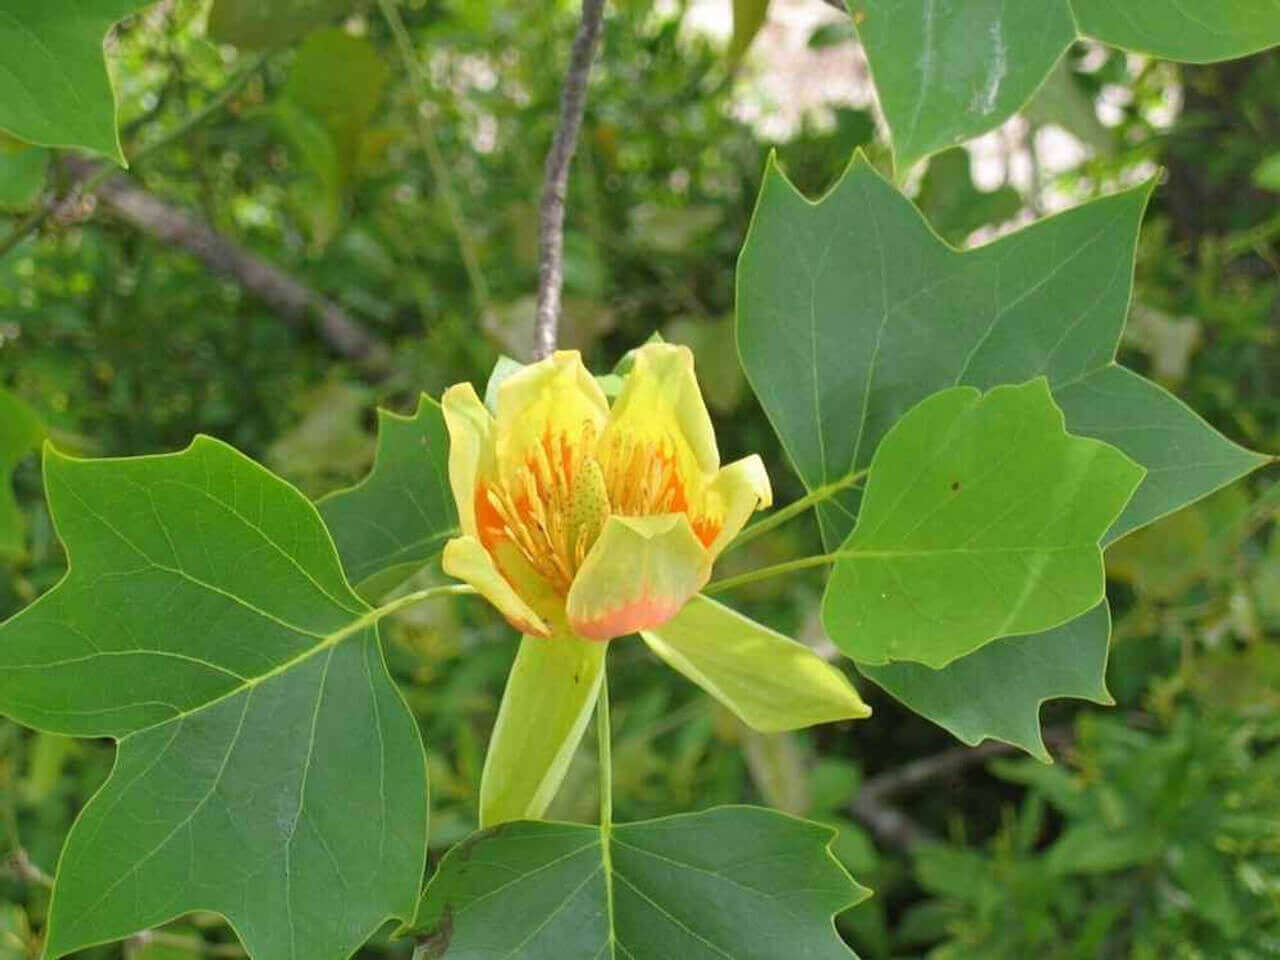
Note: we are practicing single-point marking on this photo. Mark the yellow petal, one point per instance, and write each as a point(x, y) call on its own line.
point(638, 575)
point(471, 449)
point(737, 491)
point(552, 688)
point(771, 682)
point(466, 560)
point(660, 402)
point(554, 398)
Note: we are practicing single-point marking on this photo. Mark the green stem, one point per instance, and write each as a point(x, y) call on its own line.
point(435, 159)
point(791, 510)
point(764, 573)
point(36, 219)
point(604, 744)
point(408, 600)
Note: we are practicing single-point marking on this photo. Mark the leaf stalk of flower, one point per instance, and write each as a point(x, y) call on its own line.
point(794, 509)
point(399, 603)
point(764, 573)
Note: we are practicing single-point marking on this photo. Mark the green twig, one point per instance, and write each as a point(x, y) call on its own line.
point(439, 169)
point(791, 510)
point(408, 600)
point(37, 218)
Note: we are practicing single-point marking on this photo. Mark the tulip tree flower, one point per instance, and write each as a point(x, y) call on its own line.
point(583, 522)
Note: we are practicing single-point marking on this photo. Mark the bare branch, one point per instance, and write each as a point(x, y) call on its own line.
point(294, 302)
point(573, 101)
point(916, 774)
point(872, 805)
point(891, 827)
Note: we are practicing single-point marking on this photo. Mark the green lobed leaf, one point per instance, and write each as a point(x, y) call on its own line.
point(981, 519)
point(996, 691)
point(54, 88)
point(770, 681)
point(1186, 459)
point(20, 433)
point(268, 769)
point(946, 72)
point(850, 310)
point(394, 521)
point(255, 25)
point(738, 882)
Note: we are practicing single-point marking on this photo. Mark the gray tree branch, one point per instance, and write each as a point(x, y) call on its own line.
point(573, 101)
point(872, 806)
point(292, 301)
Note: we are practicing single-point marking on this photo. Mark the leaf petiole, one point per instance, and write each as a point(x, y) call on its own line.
point(792, 510)
point(764, 573)
point(399, 603)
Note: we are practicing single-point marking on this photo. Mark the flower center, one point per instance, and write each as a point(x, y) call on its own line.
point(553, 506)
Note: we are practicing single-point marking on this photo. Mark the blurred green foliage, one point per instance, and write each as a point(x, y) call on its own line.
point(1157, 835)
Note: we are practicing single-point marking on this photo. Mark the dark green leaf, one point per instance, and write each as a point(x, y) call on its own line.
point(267, 768)
point(54, 88)
point(997, 691)
point(737, 882)
point(397, 519)
point(981, 519)
point(850, 310)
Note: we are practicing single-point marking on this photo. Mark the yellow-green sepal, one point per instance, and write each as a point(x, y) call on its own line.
point(771, 682)
point(550, 694)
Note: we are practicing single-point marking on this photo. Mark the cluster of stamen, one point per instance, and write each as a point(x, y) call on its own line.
point(641, 476)
point(553, 506)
